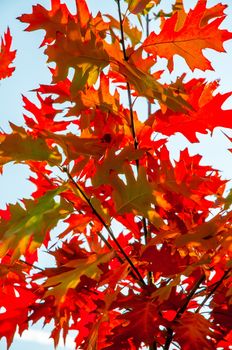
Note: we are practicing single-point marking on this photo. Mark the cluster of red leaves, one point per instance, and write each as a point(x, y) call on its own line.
point(98, 168)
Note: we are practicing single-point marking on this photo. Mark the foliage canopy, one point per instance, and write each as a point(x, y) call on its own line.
point(98, 167)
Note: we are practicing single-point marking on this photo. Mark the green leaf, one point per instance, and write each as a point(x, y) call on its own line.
point(29, 226)
point(62, 281)
point(132, 33)
point(20, 146)
point(136, 195)
point(228, 200)
point(138, 6)
point(113, 161)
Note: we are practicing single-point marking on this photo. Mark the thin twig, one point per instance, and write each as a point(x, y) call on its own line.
point(216, 286)
point(122, 31)
point(182, 310)
point(127, 84)
point(31, 265)
point(146, 234)
point(135, 271)
point(146, 231)
point(27, 263)
point(147, 34)
point(189, 297)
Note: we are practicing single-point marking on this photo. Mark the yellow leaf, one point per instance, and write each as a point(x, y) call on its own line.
point(33, 222)
point(61, 282)
point(20, 146)
point(135, 195)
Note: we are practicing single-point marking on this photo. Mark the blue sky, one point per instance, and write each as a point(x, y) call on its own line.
point(31, 70)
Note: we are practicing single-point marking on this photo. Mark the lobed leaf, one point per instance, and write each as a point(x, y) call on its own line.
point(6, 56)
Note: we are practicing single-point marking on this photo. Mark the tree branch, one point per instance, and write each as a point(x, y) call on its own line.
point(147, 34)
point(27, 263)
point(182, 310)
point(146, 233)
point(135, 271)
point(217, 285)
point(31, 265)
point(127, 84)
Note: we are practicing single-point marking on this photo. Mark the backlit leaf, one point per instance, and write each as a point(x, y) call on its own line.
point(195, 35)
point(20, 146)
point(33, 222)
point(6, 56)
point(194, 332)
point(75, 269)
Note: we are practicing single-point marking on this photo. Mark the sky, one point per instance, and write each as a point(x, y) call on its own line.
point(31, 70)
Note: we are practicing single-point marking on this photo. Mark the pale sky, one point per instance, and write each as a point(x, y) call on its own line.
point(31, 70)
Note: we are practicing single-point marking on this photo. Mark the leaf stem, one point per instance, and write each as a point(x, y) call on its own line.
point(135, 271)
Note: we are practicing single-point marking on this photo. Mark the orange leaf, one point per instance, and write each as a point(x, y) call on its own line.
point(195, 35)
point(82, 12)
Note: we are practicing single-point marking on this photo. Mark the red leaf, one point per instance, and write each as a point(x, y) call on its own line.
point(194, 332)
point(207, 113)
point(139, 324)
point(164, 262)
point(49, 20)
point(6, 56)
point(16, 301)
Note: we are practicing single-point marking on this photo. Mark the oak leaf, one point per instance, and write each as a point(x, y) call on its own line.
point(21, 146)
point(164, 262)
point(136, 195)
point(138, 324)
point(75, 269)
point(35, 221)
point(52, 21)
point(16, 302)
point(207, 112)
point(195, 35)
point(6, 56)
point(43, 116)
point(194, 331)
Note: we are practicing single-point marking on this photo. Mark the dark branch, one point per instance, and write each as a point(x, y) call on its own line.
point(127, 84)
point(216, 286)
point(135, 271)
point(182, 310)
point(147, 34)
point(27, 263)
point(146, 233)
